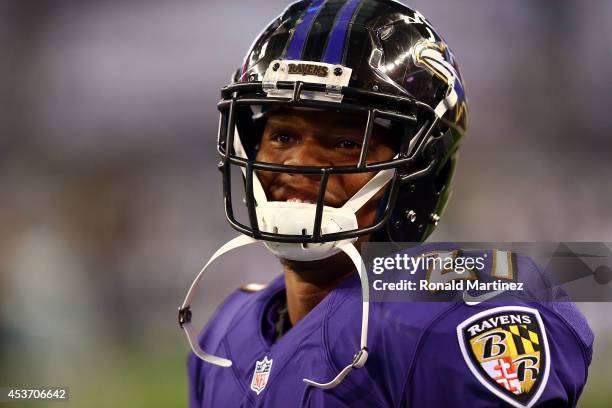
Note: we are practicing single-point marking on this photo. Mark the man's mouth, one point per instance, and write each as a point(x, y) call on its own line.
point(299, 200)
point(295, 195)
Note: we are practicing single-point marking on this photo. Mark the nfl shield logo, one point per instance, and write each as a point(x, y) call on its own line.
point(261, 374)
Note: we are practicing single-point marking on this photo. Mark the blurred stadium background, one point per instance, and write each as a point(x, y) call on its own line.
point(111, 200)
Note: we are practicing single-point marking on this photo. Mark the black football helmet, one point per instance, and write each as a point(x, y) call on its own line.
point(377, 58)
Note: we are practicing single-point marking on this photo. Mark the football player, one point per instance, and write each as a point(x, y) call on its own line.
point(344, 122)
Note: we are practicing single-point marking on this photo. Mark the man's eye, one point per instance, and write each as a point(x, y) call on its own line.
point(348, 144)
point(283, 138)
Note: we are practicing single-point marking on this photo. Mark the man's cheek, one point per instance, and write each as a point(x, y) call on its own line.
point(265, 177)
point(366, 215)
point(356, 181)
point(261, 155)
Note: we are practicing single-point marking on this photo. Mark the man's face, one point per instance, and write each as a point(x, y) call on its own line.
point(321, 138)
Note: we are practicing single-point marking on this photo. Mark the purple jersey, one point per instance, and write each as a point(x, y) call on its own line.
point(508, 353)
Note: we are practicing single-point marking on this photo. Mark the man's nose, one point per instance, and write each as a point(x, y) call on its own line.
point(308, 153)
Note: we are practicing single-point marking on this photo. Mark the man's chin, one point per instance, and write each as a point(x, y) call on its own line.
point(321, 271)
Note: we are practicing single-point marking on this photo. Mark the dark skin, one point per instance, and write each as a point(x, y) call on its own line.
point(319, 138)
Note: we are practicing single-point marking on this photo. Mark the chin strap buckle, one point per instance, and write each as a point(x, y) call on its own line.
point(184, 315)
point(360, 358)
point(359, 361)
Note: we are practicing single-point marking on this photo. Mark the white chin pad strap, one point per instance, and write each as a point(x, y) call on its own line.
point(291, 218)
point(192, 335)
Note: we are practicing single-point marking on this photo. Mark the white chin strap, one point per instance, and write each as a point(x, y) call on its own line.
point(192, 334)
point(185, 311)
point(297, 219)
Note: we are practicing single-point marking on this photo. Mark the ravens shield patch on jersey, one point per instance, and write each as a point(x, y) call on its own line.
point(507, 350)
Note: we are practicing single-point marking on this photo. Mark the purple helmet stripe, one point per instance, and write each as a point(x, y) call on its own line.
point(335, 44)
point(294, 52)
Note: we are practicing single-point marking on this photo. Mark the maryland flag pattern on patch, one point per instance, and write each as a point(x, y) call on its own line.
point(507, 350)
